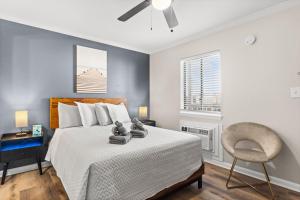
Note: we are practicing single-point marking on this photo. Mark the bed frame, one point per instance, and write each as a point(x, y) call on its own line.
point(196, 177)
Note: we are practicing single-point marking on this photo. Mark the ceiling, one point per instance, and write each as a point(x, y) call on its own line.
point(97, 19)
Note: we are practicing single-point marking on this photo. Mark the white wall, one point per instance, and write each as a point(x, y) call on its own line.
point(255, 82)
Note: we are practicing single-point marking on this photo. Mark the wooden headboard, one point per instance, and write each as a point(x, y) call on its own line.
point(71, 101)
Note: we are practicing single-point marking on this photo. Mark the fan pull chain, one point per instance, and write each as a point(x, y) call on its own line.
point(151, 28)
point(172, 30)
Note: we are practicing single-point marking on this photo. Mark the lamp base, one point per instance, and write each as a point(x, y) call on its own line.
point(21, 134)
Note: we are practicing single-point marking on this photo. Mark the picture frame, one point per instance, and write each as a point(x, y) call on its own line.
point(91, 70)
point(36, 130)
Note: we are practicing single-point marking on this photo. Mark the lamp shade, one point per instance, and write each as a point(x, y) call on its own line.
point(143, 112)
point(21, 119)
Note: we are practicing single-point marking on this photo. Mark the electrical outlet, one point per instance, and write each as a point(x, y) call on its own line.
point(295, 92)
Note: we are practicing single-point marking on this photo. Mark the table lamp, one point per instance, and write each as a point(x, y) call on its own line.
point(143, 112)
point(21, 118)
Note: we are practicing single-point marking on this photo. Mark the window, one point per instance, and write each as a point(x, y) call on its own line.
point(201, 83)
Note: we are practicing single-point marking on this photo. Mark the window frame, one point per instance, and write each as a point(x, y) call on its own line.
point(201, 114)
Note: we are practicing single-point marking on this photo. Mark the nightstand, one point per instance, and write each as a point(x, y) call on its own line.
point(149, 122)
point(14, 148)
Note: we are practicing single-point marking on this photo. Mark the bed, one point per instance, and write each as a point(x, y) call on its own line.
point(149, 168)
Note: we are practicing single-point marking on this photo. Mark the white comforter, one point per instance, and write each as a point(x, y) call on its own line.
point(91, 168)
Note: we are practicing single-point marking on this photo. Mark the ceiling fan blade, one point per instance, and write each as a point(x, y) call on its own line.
point(135, 10)
point(170, 17)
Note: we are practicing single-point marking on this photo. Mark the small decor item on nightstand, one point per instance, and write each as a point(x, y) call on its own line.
point(21, 118)
point(36, 130)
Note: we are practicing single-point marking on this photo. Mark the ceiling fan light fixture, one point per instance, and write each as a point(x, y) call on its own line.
point(161, 4)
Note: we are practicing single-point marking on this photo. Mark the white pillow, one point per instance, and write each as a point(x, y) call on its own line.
point(102, 114)
point(118, 113)
point(68, 116)
point(87, 114)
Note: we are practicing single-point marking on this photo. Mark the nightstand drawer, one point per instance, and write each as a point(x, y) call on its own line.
point(19, 154)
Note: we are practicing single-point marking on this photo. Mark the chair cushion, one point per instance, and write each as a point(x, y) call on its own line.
point(263, 136)
point(250, 155)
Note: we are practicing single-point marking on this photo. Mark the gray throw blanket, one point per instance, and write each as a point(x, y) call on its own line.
point(121, 135)
point(137, 129)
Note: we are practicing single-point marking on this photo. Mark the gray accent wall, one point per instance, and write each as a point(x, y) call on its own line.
point(37, 64)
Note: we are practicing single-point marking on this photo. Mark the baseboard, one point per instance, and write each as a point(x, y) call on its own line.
point(275, 180)
point(26, 168)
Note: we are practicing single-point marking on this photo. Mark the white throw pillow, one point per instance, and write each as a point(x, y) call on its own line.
point(118, 113)
point(102, 114)
point(87, 114)
point(68, 116)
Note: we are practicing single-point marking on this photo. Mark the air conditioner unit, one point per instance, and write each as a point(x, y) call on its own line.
point(205, 134)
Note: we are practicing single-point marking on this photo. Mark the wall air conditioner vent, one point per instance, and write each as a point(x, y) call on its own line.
point(206, 135)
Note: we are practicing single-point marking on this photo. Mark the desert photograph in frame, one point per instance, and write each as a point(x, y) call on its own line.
point(91, 70)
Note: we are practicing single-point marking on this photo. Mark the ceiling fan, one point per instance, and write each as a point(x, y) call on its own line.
point(163, 5)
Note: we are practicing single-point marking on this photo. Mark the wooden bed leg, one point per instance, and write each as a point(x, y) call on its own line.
point(200, 182)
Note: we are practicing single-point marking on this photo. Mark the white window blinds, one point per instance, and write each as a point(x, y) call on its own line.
point(201, 83)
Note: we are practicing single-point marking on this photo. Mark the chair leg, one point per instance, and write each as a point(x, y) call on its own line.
point(247, 184)
point(268, 180)
point(231, 171)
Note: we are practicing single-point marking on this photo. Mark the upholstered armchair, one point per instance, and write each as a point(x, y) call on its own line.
point(265, 138)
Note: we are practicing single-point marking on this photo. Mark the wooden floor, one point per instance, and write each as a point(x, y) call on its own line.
point(32, 186)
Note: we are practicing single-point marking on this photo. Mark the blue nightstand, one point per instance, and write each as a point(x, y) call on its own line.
point(14, 148)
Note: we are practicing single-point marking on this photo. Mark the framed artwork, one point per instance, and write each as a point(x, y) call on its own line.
point(91, 70)
point(36, 130)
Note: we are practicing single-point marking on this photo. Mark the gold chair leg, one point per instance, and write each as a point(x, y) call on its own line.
point(231, 171)
point(247, 184)
point(268, 180)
